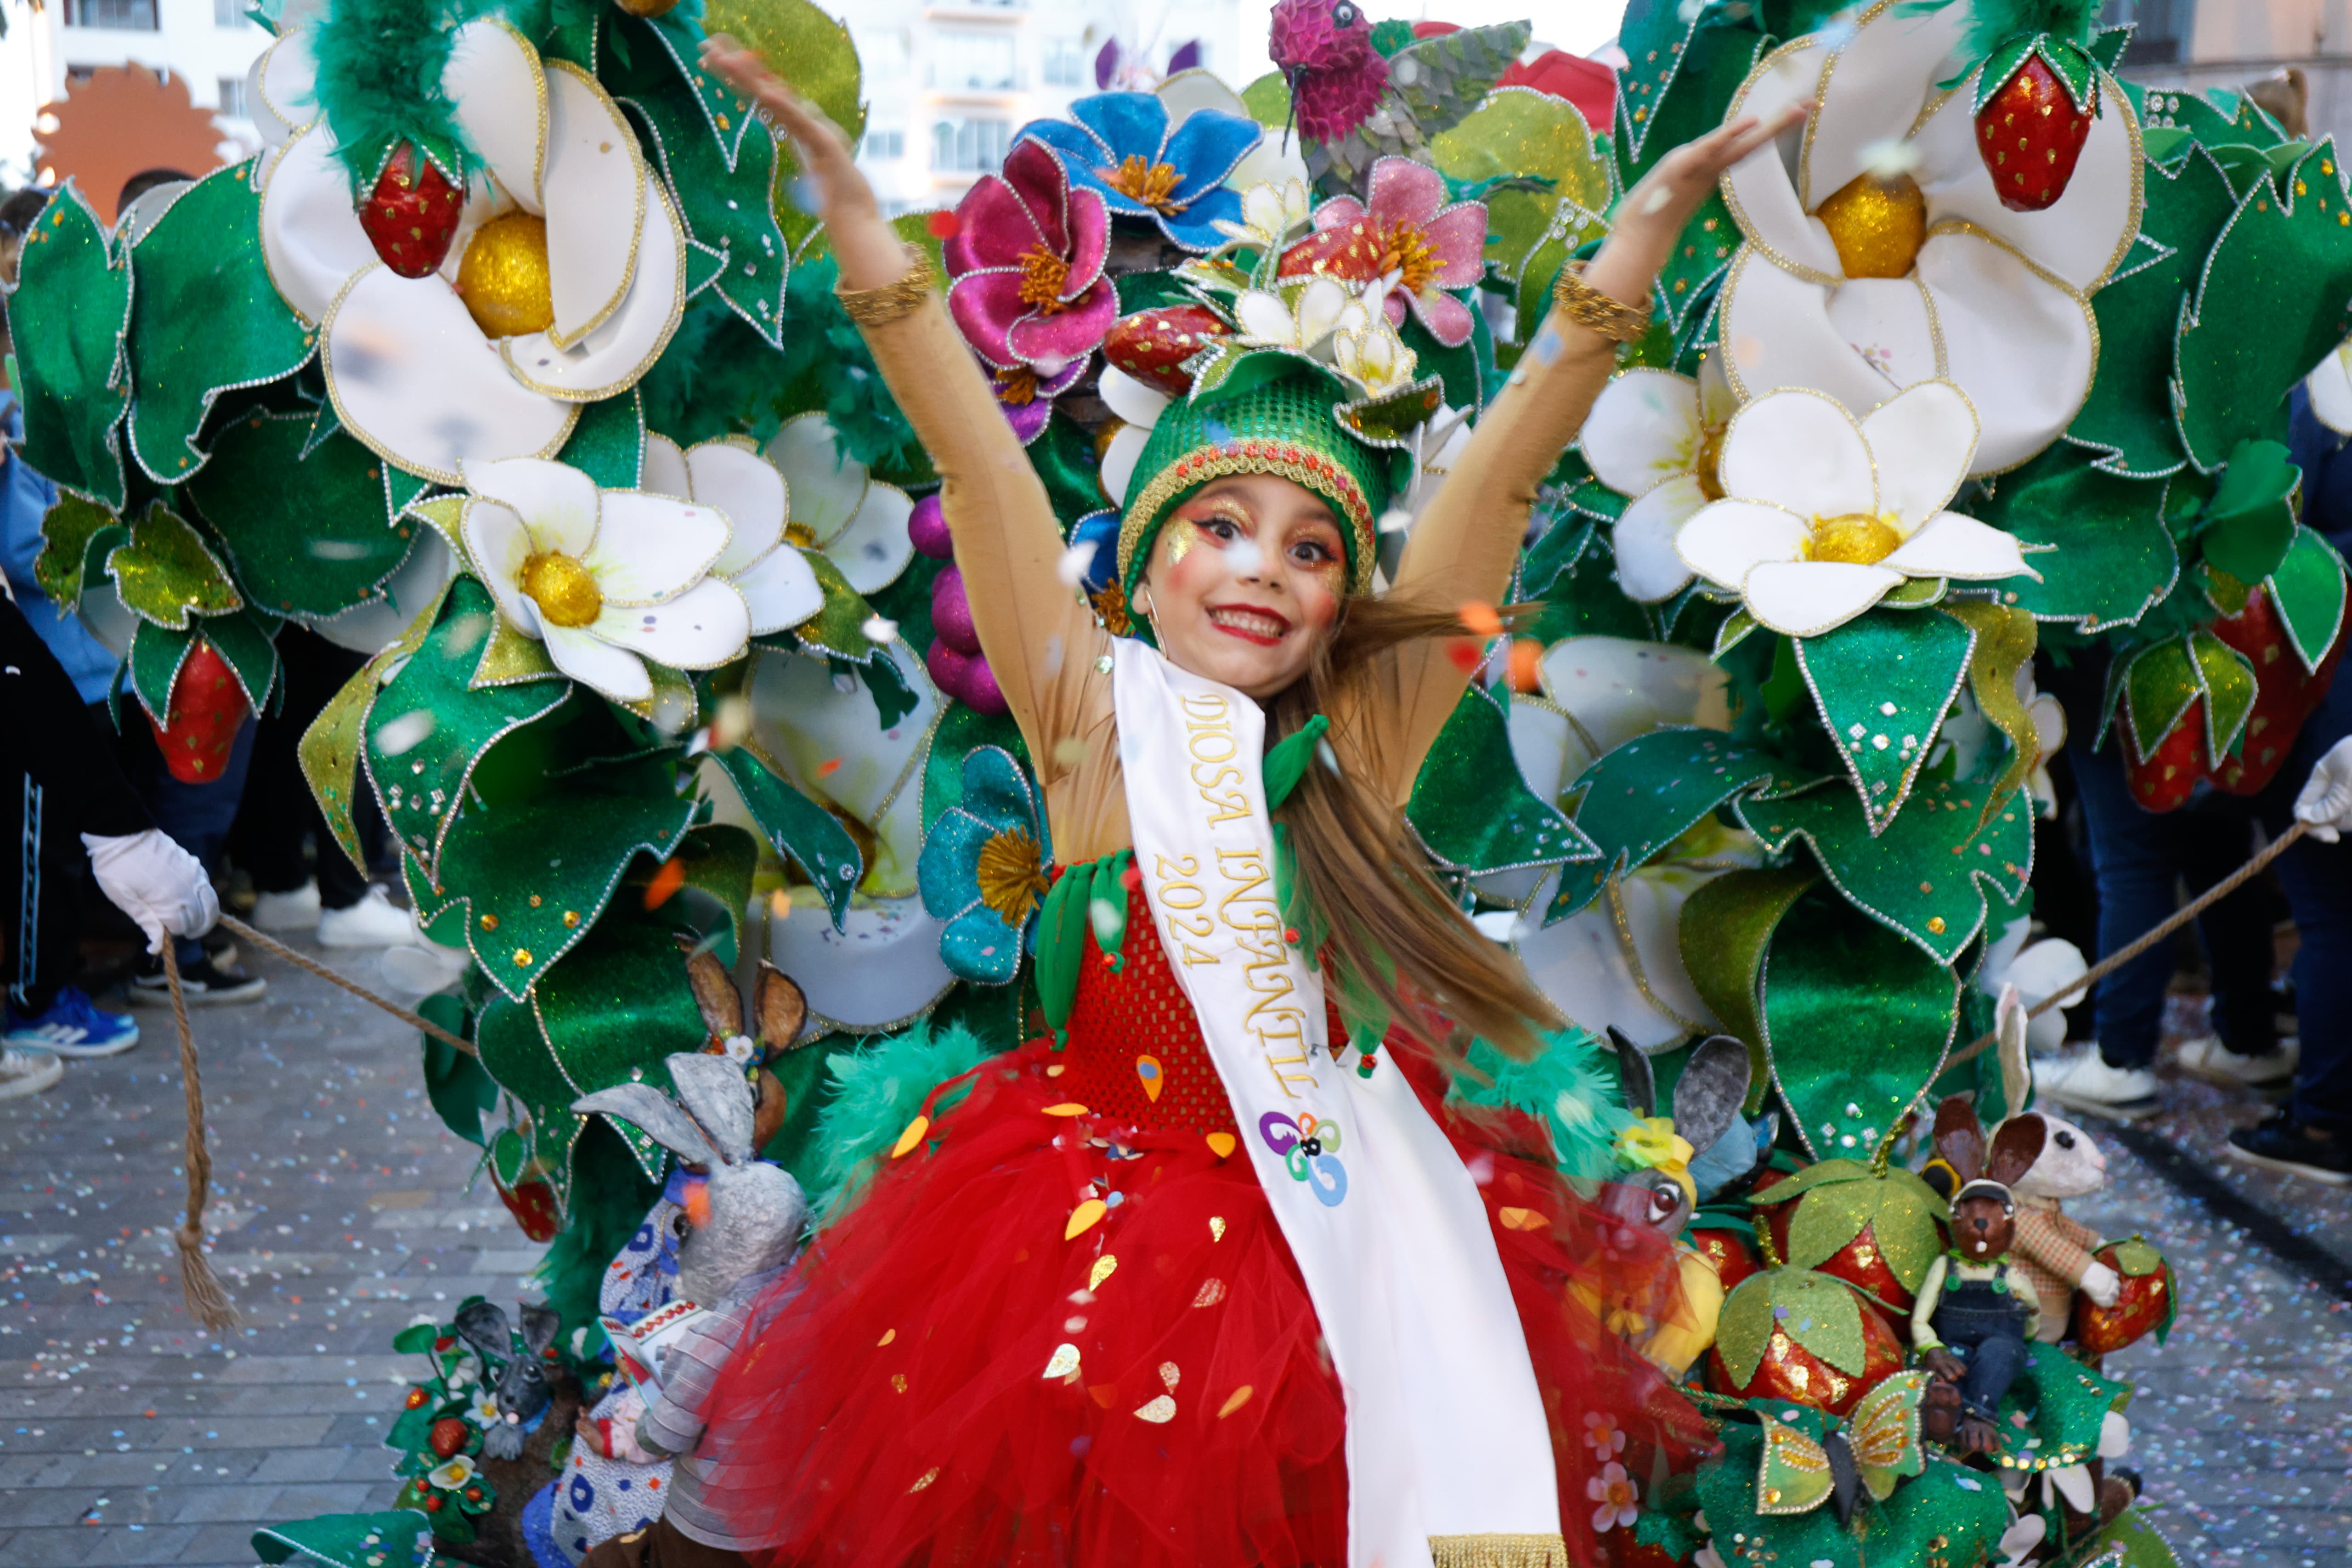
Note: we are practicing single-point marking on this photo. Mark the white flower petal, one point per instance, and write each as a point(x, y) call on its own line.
point(312, 240)
point(498, 92)
point(1727, 540)
point(662, 470)
point(2330, 386)
point(596, 197)
point(499, 543)
point(1761, 187)
point(556, 502)
point(586, 657)
point(1921, 442)
point(1717, 402)
point(1806, 598)
point(2022, 347)
point(1798, 449)
point(1188, 91)
point(611, 357)
point(874, 547)
point(1620, 687)
point(1264, 318)
point(1873, 91)
point(650, 548)
point(1643, 430)
point(1133, 401)
point(1951, 545)
point(823, 739)
point(281, 90)
point(1277, 160)
point(1778, 332)
point(413, 378)
point(1322, 311)
point(883, 962)
point(1885, 323)
point(1120, 459)
point(1581, 963)
point(1648, 568)
point(780, 589)
point(747, 488)
point(824, 486)
point(702, 629)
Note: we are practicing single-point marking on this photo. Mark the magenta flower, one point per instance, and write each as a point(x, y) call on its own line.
point(1409, 231)
point(1027, 262)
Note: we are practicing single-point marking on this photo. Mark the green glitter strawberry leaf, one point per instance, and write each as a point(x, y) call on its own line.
point(1882, 683)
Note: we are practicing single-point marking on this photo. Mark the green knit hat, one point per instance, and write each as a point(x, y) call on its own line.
point(1283, 428)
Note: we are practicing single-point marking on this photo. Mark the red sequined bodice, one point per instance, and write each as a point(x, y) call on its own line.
point(1133, 1024)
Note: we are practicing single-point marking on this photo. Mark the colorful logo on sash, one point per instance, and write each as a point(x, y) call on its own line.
point(1308, 1147)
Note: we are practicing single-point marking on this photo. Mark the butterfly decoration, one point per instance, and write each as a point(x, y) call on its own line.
point(1880, 1445)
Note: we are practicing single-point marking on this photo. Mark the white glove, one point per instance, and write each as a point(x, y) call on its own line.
point(156, 883)
point(2325, 802)
point(2100, 1284)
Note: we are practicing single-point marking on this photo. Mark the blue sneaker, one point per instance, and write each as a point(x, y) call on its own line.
point(73, 1027)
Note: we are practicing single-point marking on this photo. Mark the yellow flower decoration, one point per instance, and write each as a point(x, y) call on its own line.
point(1653, 1144)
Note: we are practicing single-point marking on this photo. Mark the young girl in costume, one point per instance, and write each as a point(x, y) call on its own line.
point(1197, 1283)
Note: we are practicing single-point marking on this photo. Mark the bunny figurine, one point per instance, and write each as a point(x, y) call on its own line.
point(523, 1392)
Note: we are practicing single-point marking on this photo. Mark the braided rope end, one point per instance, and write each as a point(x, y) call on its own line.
point(208, 1301)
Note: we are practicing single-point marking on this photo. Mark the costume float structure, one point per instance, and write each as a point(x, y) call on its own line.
point(506, 363)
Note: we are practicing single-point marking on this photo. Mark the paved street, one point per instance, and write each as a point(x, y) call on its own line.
point(128, 1435)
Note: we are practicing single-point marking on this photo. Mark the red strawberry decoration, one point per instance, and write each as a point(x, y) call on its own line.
point(2161, 781)
point(2031, 127)
point(1794, 1335)
point(200, 720)
point(449, 1435)
point(2285, 692)
point(412, 214)
point(2146, 1300)
point(1153, 345)
point(533, 1204)
point(1728, 1250)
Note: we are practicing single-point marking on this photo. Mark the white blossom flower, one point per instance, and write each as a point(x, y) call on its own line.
point(1270, 214)
point(1654, 436)
point(605, 579)
point(837, 508)
point(1374, 357)
point(779, 586)
point(1299, 316)
point(483, 1408)
point(456, 1473)
point(1858, 287)
point(1823, 515)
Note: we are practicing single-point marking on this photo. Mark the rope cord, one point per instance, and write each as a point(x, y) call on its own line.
point(208, 1303)
point(310, 965)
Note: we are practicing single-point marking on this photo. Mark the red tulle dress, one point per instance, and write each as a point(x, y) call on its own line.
point(949, 1376)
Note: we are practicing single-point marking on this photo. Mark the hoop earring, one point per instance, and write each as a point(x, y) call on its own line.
point(1145, 611)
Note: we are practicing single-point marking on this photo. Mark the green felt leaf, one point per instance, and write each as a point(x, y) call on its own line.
point(428, 729)
point(2250, 520)
point(1926, 875)
point(963, 731)
point(2128, 417)
point(1817, 1311)
point(838, 628)
point(2097, 539)
point(1674, 91)
point(1726, 928)
point(305, 525)
point(156, 654)
point(455, 1082)
point(1882, 683)
point(251, 652)
point(1900, 1210)
point(2107, 46)
point(1998, 66)
point(608, 443)
point(1559, 549)
point(1269, 99)
point(1648, 792)
point(1530, 137)
point(388, 1540)
point(416, 1339)
point(718, 859)
point(2158, 685)
point(67, 532)
point(1726, 1491)
point(2308, 590)
point(2229, 691)
point(2073, 67)
point(71, 311)
point(798, 827)
point(1820, 1173)
point(1947, 1501)
point(205, 318)
point(2216, 116)
point(509, 1157)
point(1857, 1022)
point(165, 572)
point(2270, 302)
point(1472, 811)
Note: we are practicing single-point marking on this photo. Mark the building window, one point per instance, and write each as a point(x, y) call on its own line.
point(231, 97)
point(970, 146)
point(970, 61)
point(882, 54)
point(885, 146)
point(1064, 62)
point(2160, 30)
point(130, 16)
point(229, 14)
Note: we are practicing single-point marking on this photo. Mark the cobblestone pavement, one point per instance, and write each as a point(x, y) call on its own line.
point(341, 1210)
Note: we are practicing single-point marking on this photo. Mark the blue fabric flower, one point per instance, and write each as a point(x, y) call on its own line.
point(1120, 146)
point(982, 869)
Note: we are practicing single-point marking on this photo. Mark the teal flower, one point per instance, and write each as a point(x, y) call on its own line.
point(983, 870)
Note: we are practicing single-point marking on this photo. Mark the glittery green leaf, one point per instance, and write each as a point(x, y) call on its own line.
point(798, 827)
point(1821, 1313)
point(455, 1082)
point(206, 318)
point(1471, 808)
point(386, 1540)
point(1820, 1173)
point(1648, 792)
point(1726, 927)
point(2006, 639)
point(2097, 539)
point(2308, 590)
point(330, 749)
point(1898, 1209)
point(1726, 1491)
point(305, 529)
point(1947, 1502)
point(1530, 137)
point(608, 444)
point(250, 651)
point(67, 529)
point(839, 628)
point(2229, 691)
point(156, 654)
point(70, 310)
point(1882, 683)
point(2157, 686)
point(718, 859)
point(166, 572)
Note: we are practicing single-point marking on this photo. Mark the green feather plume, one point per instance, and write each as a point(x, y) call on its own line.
point(1571, 1087)
point(878, 1089)
point(826, 365)
point(379, 82)
point(1993, 22)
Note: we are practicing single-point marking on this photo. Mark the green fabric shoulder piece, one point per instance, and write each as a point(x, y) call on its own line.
point(1062, 947)
point(1107, 907)
point(1287, 760)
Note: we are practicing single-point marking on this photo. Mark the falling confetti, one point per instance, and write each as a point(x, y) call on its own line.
point(879, 628)
point(666, 881)
point(1481, 618)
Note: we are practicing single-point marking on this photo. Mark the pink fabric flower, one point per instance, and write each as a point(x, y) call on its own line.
point(1027, 264)
point(1410, 231)
point(1619, 1497)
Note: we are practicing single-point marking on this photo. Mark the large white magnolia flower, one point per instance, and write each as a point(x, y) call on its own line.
point(779, 587)
point(1655, 436)
point(1821, 516)
point(1878, 254)
point(854, 521)
point(579, 283)
point(606, 579)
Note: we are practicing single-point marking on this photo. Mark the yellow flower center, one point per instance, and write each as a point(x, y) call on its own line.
point(1876, 225)
point(1043, 275)
point(801, 534)
point(564, 590)
point(1140, 179)
point(1857, 537)
point(1709, 463)
point(1405, 249)
point(1011, 879)
point(502, 277)
point(1017, 387)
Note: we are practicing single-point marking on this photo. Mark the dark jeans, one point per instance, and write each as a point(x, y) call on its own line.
point(279, 811)
point(41, 867)
point(195, 817)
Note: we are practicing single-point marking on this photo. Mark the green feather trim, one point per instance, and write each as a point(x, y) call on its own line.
point(1992, 22)
point(879, 1088)
point(379, 83)
point(826, 367)
point(1570, 1086)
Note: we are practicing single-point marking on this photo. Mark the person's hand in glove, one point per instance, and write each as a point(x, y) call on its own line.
point(2325, 802)
point(156, 883)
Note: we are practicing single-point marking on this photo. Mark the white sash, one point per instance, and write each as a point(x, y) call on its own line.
point(1449, 1457)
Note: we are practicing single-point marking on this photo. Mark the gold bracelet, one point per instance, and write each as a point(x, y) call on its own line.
point(881, 306)
point(1588, 306)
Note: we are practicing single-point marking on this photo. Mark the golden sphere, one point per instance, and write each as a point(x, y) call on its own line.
point(1877, 225)
point(646, 8)
point(564, 590)
point(1857, 537)
point(503, 278)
